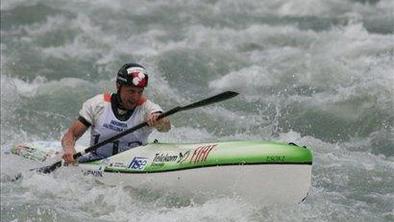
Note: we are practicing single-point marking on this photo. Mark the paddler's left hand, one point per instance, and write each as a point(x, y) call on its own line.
point(152, 119)
point(162, 125)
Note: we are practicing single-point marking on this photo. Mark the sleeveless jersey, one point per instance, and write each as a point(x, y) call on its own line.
point(104, 124)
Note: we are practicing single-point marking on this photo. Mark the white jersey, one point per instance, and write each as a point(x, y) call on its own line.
point(98, 112)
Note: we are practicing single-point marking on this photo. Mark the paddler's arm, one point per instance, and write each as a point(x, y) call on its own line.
point(73, 133)
point(162, 125)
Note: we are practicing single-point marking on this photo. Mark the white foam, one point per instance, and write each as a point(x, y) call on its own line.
point(10, 4)
point(271, 57)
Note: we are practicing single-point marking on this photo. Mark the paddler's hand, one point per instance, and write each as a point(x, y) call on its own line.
point(68, 155)
point(162, 125)
point(152, 120)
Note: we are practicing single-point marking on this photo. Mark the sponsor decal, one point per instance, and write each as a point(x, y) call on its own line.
point(115, 125)
point(201, 153)
point(138, 163)
point(160, 158)
point(183, 156)
point(117, 164)
point(275, 158)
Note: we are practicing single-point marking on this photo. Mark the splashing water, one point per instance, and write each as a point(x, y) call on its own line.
point(317, 73)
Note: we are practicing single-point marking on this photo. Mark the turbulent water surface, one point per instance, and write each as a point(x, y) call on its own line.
point(315, 72)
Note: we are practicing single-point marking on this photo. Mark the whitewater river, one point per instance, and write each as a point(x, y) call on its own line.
point(318, 73)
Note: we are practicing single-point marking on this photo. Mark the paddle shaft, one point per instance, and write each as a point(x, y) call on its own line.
point(204, 102)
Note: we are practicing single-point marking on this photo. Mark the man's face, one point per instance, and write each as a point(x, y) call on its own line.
point(130, 95)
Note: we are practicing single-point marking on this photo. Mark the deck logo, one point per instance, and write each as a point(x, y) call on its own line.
point(138, 163)
point(161, 157)
point(117, 164)
point(201, 153)
point(183, 156)
point(276, 158)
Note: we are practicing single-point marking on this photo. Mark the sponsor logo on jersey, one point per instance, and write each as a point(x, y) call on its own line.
point(115, 125)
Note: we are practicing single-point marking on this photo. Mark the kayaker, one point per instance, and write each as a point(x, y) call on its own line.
point(109, 114)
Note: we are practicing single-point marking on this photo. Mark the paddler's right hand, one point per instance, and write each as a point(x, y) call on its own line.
point(68, 155)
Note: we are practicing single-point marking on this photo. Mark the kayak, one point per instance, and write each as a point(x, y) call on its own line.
point(255, 171)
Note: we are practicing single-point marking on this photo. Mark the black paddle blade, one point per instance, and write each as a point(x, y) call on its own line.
point(49, 169)
point(214, 99)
